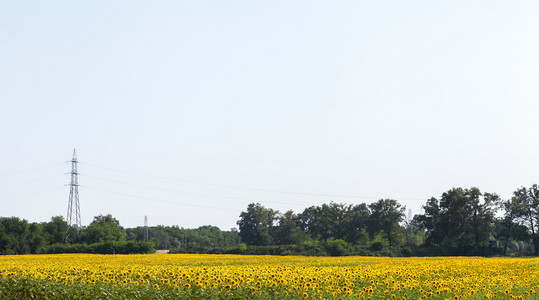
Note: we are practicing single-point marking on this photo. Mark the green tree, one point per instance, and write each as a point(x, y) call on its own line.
point(17, 236)
point(356, 222)
point(166, 237)
point(386, 215)
point(528, 199)
point(336, 221)
point(325, 222)
point(511, 223)
point(483, 215)
point(309, 222)
point(288, 230)
point(103, 229)
point(336, 247)
point(462, 220)
point(34, 238)
point(256, 225)
point(55, 230)
point(430, 221)
point(13, 236)
point(162, 237)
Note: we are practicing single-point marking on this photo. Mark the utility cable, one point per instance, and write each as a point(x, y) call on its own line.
point(158, 200)
point(246, 188)
point(239, 198)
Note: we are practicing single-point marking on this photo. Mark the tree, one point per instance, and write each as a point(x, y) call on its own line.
point(483, 215)
point(430, 221)
point(34, 238)
point(13, 236)
point(336, 221)
point(461, 220)
point(167, 237)
point(55, 230)
point(161, 236)
point(309, 222)
point(528, 200)
point(511, 223)
point(386, 215)
point(356, 221)
point(455, 216)
point(534, 209)
point(256, 225)
point(288, 230)
point(17, 236)
point(326, 221)
point(103, 229)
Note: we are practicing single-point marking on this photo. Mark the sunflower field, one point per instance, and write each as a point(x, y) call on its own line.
point(191, 276)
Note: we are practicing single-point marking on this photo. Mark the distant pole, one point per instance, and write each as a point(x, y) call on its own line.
point(146, 235)
point(73, 208)
point(410, 229)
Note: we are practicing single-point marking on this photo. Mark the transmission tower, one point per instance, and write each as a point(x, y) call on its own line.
point(146, 235)
point(73, 208)
point(410, 227)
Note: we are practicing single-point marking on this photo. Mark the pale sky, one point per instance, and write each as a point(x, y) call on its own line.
point(187, 111)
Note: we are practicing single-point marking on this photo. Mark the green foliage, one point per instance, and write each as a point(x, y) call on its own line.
point(242, 248)
point(172, 237)
point(20, 237)
point(288, 230)
point(108, 247)
point(524, 210)
point(379, 242)
point(336, 247)
point(25, 288)
point(256, 225)
point(55, 230)
point(103, 228)
point(386, 215)
point(460, 222)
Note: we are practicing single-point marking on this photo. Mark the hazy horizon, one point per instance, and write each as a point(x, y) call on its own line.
point(188, 111)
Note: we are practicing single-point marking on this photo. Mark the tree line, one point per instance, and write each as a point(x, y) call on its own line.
point(105, 235)
point(459, 222)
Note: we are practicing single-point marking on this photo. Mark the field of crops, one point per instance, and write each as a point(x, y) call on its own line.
point(184, 276)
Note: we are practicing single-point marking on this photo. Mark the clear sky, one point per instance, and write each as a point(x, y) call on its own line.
point(187, 111)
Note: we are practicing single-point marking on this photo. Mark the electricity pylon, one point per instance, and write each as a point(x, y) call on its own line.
point(73, 208)
point(146, 235)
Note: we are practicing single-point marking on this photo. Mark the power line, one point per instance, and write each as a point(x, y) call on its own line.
point(45, 167)
point(14, 194)
point(157, 200)
point(246, 188)
point(27, 181)
point(356, 162)
point(191, 193)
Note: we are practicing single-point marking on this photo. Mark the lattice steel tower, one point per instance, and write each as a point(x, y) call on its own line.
point(73, 208)
point(146, 235)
